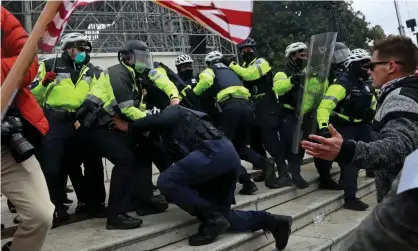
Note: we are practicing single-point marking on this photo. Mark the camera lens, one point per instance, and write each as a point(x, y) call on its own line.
point(21, 149)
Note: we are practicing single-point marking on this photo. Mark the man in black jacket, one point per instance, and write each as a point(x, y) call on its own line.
point(396, 121)
point(202, 180)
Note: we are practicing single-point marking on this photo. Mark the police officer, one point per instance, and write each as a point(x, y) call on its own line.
point(287, 86)
point(341, 53)
point(119, 93)
point(184, 65)
point(258, 78)
point(202, 180)
point(237, 114)
point(63, 84)
point(347, 104)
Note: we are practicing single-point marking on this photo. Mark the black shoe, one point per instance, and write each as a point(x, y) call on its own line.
point(67, 201)
point(284, 181)
point(60, 216)
point(248, 188)
point(122, 221)
point(68, 190)
point(281, 227)
point(81, 208)
point(355, 204)
point(270, 176)
point(11, 207)
point(329, 185)
point(210, 228)
point(154, 205)
point(299, 181)
point(7, 246)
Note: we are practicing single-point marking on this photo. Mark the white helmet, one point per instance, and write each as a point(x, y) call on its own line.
point(72, 38)
point(294, 48)
point(212, 56)
point(183, 59)
point(356, 55)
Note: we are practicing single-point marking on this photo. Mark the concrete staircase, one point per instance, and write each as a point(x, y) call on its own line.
point(170, 230)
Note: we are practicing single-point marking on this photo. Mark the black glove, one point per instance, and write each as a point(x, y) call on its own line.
point(10, 125)
point(296, 79)
point(324, 132)
point(226, 61)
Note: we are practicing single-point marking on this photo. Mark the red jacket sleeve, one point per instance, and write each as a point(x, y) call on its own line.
point(12, 41)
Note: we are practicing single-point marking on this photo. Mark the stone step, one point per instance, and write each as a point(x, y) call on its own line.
point(166, 228)
point(302, 210)
point(329, 234)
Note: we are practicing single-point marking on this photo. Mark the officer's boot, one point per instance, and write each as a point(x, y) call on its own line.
point(248, 186)
point(212, 225)
point(284, 179)
point(270, 179)
point(153, 205)
point(122, 221)
point(299, 181)
point(280, 226)
point(60, 215)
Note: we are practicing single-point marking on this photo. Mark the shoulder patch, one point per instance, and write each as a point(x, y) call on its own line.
point(153, 72)
point(259, 61)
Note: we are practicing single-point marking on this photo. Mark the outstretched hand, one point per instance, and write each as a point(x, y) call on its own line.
point(326, 148)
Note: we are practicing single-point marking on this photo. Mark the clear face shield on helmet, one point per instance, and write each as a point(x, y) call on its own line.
point(142, 60)
point(340, 55)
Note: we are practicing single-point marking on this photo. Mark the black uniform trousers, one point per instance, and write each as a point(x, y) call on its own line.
point(203, 182)
point(349, 173)
point(236, 122)
point(256, 142)
point(59, 154)
point(287, 129)
point(121, 149)
point(267, 124)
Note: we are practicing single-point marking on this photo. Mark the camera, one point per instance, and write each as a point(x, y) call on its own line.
point(11, 132)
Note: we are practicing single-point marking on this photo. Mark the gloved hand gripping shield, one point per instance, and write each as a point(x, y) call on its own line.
point(142, 61)
point(313, 85)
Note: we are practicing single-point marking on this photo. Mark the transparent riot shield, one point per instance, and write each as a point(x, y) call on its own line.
point(313, 85)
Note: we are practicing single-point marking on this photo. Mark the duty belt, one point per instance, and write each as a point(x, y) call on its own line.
point(231, 96)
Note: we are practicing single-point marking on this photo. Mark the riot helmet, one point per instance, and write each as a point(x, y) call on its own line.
point(135, 53)
point(296, 53)
point(184, 66)
point(247, 49)
point(341, 53)
point(76, 46)
point(357, 63)
point(213, 57)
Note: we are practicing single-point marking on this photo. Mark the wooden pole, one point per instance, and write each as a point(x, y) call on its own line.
point(15, 77)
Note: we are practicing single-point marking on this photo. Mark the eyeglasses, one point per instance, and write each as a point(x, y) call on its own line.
point(371, 65)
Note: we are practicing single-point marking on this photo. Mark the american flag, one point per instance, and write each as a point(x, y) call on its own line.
point(57, 26)
point(230, 19)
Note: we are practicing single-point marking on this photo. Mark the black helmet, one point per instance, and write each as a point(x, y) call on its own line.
point(135, 45)
point(249, 42)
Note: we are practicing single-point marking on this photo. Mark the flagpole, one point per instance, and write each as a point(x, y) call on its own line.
point(16, 75)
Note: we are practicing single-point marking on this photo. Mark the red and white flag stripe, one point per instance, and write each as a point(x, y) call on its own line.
point(57, 26)
point(230, 19)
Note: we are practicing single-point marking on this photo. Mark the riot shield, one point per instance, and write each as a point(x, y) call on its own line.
point(313, 85)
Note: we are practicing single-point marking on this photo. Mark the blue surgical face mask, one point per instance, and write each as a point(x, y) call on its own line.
point(80, 57)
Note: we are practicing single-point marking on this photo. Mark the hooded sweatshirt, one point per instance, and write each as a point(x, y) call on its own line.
point(396, 130)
